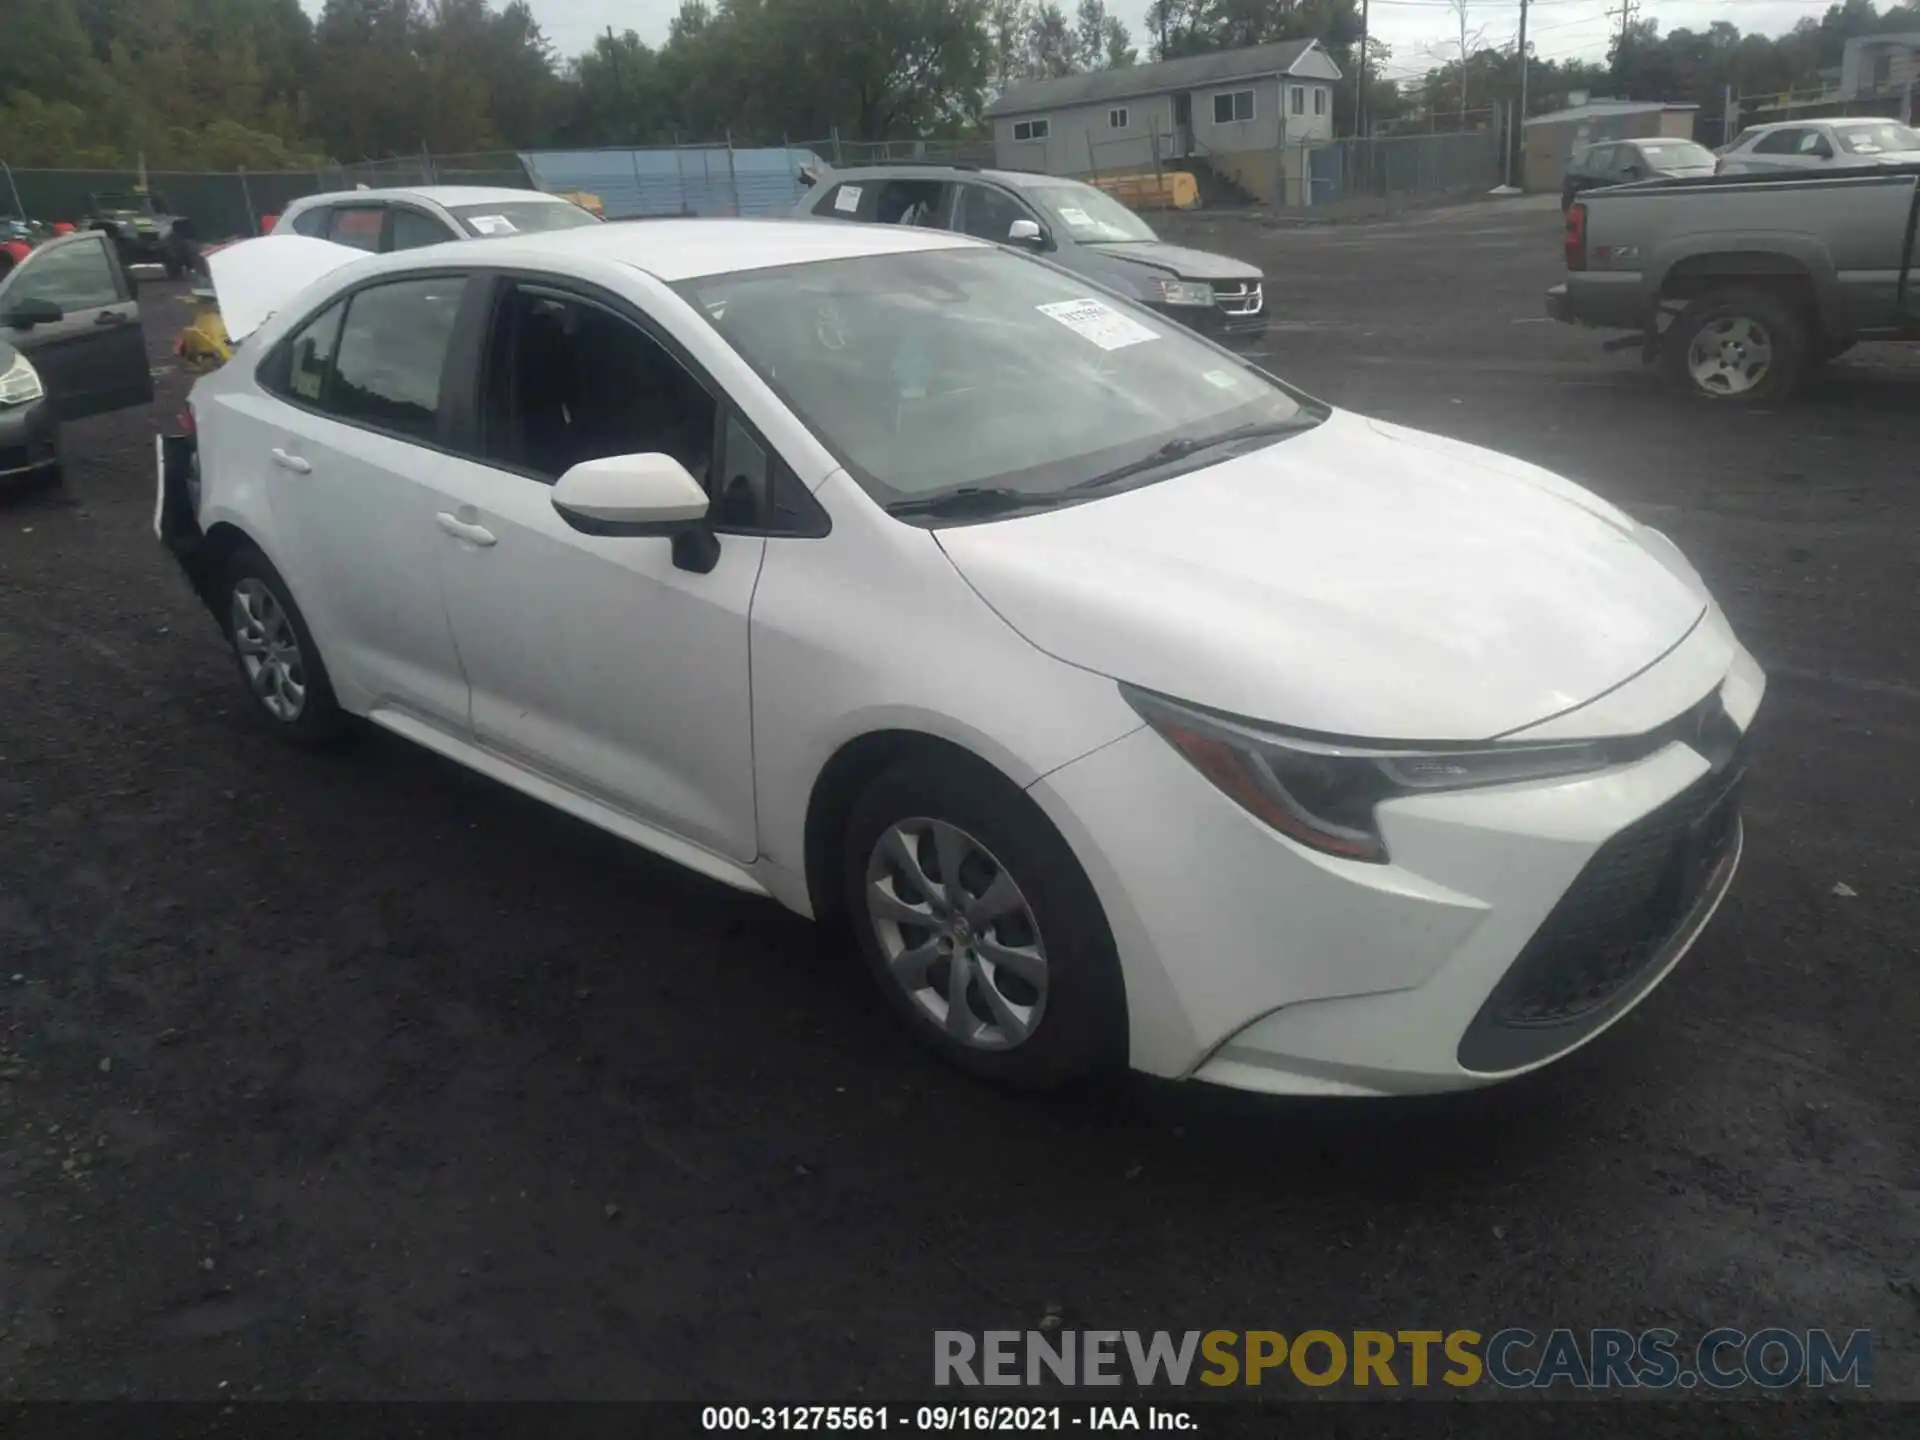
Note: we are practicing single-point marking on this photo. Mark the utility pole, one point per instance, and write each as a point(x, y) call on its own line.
point(1628, 12)
point(1729, 118)
point(1360, 92)
point(1517, 128)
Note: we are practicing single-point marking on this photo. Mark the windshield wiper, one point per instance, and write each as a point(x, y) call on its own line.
point(1188, 445)
point(972, 500)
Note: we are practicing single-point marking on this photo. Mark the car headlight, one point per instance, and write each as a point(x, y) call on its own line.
point(1323, 794)
point(1182, 292)
point(20, 382)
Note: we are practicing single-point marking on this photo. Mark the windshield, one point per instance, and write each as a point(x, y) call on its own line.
point(1090, 216)
point(521, 217)
point(930, 371)
point(1876, 139)
point(1669, 154)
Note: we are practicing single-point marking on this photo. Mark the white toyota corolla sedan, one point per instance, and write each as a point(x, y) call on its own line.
point(1127, 705)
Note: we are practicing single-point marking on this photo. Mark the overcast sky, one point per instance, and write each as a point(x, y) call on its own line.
point(1420, 31)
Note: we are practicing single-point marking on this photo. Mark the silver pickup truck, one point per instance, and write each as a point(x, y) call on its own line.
point(1739, 285)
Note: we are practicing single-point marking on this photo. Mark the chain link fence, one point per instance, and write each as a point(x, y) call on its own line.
point(710, 179)
point(1404, 165)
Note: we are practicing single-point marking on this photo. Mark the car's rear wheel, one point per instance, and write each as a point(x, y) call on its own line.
point(1742, 347)
point(980, 927)
point(274, 650)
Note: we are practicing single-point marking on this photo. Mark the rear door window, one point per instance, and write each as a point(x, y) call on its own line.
point(393, 353)
point(358, 226)
point(1790, 141)
point(926, 203)
point(312, 222)
point(847, 201)
point(309, 357)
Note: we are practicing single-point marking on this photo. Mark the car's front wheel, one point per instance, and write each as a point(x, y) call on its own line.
point(275, 652)
point(980, 927)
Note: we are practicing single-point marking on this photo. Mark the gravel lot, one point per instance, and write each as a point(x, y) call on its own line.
point(359, 1077)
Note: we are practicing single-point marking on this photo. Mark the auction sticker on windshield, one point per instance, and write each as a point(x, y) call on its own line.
point(1104, 326)
point(493, 225)
point(1073, 216)
point(848, 199)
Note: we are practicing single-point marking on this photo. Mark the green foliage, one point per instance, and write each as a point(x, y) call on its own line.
point(261, 85)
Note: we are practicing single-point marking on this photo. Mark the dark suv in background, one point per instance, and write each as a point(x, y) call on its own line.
point(1074, 225)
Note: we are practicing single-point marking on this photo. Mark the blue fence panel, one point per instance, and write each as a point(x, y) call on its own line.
point(703, 180)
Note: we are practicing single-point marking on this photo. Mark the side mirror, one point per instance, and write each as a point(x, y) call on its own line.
point(640, 495)
point(1026, 232)
point(1635, 172)
point(1823, 151)
point(25, 314)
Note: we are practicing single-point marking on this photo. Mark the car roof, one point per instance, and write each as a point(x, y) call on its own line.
point(447, 196)
point(1022, 178)
point(676, 249)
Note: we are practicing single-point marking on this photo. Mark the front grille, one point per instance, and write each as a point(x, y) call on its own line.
point(1239, 297)
point(1642, 891)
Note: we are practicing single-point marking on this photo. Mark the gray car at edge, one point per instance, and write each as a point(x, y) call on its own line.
point(1072, 224)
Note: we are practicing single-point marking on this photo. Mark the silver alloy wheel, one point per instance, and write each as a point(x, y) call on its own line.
point(958, 935)
point(1730, 356)
point(269, 650)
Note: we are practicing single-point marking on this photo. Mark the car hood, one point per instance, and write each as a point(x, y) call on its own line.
point(1677, 172)
point(1359, 579)
point(1178, 260)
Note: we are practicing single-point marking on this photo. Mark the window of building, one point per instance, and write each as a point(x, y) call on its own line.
point(1117, 118)
point(1299, 99)
point(1320, 93)
point(1032, 129)
point(1232, 105)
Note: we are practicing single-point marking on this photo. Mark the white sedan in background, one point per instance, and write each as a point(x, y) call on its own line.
point(1129, 706)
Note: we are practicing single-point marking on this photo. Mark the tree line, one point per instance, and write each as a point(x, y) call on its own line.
point(1682, 66)
point(259, 84)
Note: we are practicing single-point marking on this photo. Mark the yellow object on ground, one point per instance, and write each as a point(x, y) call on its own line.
point(1170, 190)
point(204, 344)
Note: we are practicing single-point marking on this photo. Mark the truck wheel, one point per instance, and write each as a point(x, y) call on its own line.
point(1741, 347)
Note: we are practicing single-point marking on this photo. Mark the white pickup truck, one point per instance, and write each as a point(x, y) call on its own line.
point(1739, 285)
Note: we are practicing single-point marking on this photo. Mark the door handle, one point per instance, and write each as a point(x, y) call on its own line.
point(291, 462)
point(461, 530)
point(109, 317)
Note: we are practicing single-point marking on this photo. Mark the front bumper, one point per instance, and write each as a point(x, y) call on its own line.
point(29, 441)
point(1255, 963)
point(1239, 322)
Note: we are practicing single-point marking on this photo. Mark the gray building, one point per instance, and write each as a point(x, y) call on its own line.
point(1882, 67)
point(1252, 115)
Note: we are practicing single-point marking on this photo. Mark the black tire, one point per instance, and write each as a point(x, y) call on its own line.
point(1081, 1030)
point(1783, 323)
point(319, 720)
